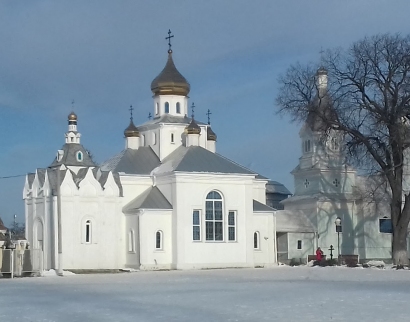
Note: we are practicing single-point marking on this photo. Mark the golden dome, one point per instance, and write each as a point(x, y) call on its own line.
point(72, 116)
point(170, 81)
point(210, 135)
point(131, 131)
point(193, 128)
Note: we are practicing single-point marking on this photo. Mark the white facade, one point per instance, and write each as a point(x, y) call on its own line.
point(150, 207)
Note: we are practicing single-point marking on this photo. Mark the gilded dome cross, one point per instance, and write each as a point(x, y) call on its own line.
point(169, 40)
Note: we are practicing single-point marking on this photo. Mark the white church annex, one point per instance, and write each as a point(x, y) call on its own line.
point(167, 201)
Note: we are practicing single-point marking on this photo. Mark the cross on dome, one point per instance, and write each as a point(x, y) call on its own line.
point(131, 109)
point(169, 40)
point(209, 116)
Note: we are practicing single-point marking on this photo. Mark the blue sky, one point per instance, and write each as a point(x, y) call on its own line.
point(104, 55)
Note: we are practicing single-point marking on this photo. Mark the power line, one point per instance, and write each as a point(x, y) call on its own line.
point(16, 176)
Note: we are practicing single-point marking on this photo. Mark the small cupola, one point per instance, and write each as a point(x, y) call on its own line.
point(210, 135)
point(131, 131)
point(72, 136)
point(132, 134)
point(193, 128)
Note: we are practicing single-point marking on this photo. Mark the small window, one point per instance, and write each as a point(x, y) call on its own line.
point(144, 141)
point(299, 244)
point(166, 107)
point(172, 138)
point(385, 225)
point(196, 225)
point(256, 240)
point(232, 226)
point(178, 108)
point(307, 146)
point(79, 156)
point(154, 138)
point(131, 241)
point(158, 240)
point(157, 109)
point(88, 231)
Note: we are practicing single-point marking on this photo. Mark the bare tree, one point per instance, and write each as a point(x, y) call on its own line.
point(368, 102)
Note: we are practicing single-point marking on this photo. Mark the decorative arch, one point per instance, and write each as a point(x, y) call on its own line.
point(38, 234)
point(131, 241)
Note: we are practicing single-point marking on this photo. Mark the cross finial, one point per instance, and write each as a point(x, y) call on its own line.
point(149, 116)
point(131, 109)
point(321, 55)
point(209, 116)
point(169, 40)
point(192, 110)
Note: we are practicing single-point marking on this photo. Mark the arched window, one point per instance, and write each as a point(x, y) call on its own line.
point(154, 138)
point(256, 240)
point(166, 107)
point(79, 156)
point(178, 108)
point(88, 231)
point(131, 241)
point(214, 216)
point(172, 138)
point(157, 109)
point(158, 239)
point(144, 141)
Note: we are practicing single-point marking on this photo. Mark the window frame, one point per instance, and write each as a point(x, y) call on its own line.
point(166, 108)
point(88, 232)
point(196, 225)
point(299, 244)
point(256, 241)
point(387, 231)
point(216, 225)
point(131, 241)
point(233, 226)
point(159, 246)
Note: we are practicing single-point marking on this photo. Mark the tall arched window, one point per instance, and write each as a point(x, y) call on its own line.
point(256, 240)
point(88, 231)
point(166, 107)
point(172, 138)
point(157, 109)
point(178, 108)
point(214, 216)
point(158, 239)
point(307, 146)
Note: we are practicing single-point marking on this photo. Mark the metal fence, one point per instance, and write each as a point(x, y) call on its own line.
point(21, 262)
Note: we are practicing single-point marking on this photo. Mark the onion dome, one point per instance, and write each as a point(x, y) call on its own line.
point(170, 81)
point(131, 131)
point(193, 128)
point(72, 116)
point(210, 135)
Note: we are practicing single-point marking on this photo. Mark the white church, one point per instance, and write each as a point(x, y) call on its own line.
point(169, 201)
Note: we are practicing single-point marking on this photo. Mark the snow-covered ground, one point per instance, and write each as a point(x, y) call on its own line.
point(277, 294)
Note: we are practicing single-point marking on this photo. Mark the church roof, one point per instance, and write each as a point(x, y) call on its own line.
point(170, 81)
point(2, 227)
point(152, 198)
point(258, 206)
point(130, 161)
point(198, 159)
point(277, 187)
point(167, 119)
point(70, 156)
point(293, 222)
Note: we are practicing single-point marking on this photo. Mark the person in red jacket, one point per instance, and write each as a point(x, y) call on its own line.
point(319, 254)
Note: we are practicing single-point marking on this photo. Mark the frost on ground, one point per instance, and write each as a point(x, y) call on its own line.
point(277, 294)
